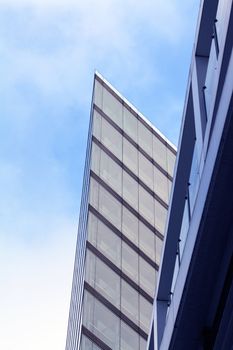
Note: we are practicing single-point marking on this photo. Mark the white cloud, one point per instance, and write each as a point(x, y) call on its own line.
point(35, 289)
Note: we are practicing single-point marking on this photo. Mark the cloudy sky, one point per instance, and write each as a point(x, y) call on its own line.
point(49, 50)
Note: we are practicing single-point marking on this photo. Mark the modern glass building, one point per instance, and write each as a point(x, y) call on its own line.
point(126, 188)
point(194, 300)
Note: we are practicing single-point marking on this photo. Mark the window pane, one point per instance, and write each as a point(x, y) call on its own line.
point(161, 184)
point(146, 205)
point(147, 276)
point(130, 124)
point(158, 245)
point(159, 152)
point(86, 344)
point(109, 244)
point(101, 321)
point(146, 240)
point(130, 156)
point(112, 107)
point(92, 228)
point(129, 262)
point(130, 190)
point(112, 139)
point(95, 158)
point(111, 172)
point(145, 138)
point(171, 158)
point(97, 125)
point(129, 338)
point(130, 225)
point(143, 343)
point(110, 207)
point(129, 302)
point(103, 279)
point(94, 193)
point(98, 94)
point(160, 217)
point(146, 171)
point(145, 314)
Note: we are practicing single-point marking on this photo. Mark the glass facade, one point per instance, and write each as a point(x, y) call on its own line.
point(130, 174)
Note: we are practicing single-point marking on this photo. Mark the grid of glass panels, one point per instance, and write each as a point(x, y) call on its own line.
point(130, 167)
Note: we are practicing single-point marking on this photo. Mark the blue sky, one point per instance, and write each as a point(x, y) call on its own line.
point(49, 50)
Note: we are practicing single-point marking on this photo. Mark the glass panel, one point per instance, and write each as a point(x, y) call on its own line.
point(130, 124)
point(169, 189)
point(158, 247)
point(130, 225)
point(171, 158)
point(160, 217)
point(159, 152)
point(110, 207)
point(97, 125)
point(111, 172)
point(129, 338)
point(146, 171)
point(145, 138)
point(147, 276)
point(129, 302)
point(101, 321)
point(98, 94)
point(95, 158)
point(94, 193)
point(129, 262)
point(161, 185)
point(112, 139)
point(145, 313)
point(109, 244)
point(112, 107)
point(146, 240)
point(146, 205)
point(130, 156)
point(103, 279)
point(92, 228)
point(86, 344)
point(130, 190)
point(143, 343)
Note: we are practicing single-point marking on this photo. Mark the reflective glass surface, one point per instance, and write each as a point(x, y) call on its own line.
point(130, 302)
point(130, 225)
point(130, 156)
point(146, 205)
point(159, 152)
point(106, 241)
point(129, 338)
point(147, 276)
point(146, 240)
point(130, 124)
point(102, 278)
point(129, 262)
point(145, 138)
point(101, 321)
point(112, 107)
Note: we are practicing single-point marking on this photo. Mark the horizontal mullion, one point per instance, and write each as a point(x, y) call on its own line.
point(136, 115)
point(94, 339)
point(116, 269)
point(126, 204)
point(123, 237)
point(130, 172)
point(136, 145)
point(114, 310)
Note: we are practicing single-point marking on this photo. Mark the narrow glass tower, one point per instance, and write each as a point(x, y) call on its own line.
point(127, 180)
